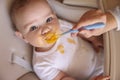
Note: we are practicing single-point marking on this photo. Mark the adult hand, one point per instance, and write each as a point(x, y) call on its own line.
point(89, 18)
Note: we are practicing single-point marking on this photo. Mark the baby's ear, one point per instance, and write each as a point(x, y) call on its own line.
point(19, 35)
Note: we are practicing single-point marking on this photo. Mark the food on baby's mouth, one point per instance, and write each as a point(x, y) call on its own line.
point(51, 37)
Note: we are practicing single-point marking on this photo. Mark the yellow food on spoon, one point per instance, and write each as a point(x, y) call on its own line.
point(51, 37)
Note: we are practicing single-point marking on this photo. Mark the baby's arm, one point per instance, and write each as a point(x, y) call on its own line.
point(95, 16)
point(62, 76)
point(101, 78)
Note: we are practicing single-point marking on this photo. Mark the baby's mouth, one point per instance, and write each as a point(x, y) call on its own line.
point(51, 37)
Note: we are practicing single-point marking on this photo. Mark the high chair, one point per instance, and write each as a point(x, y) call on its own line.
point(16, 56)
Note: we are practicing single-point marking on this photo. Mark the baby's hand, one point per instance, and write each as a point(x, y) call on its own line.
point(89, 18)
point(102, 78)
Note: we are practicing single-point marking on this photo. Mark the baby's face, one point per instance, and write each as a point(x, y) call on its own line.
point(36, 20)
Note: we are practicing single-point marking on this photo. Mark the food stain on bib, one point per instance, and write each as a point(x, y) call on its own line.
point(71, 41)
point(60, 48)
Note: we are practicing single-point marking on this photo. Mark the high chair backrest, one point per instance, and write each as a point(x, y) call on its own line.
point(10, 45)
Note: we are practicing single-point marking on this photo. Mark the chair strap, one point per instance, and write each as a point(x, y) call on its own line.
point(21, 62)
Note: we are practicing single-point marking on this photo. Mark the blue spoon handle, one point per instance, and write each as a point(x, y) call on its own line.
point(89, 27)
point(94, 26)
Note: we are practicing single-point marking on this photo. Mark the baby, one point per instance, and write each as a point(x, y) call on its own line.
point(62, 58)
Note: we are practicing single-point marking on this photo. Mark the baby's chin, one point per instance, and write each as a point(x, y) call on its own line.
point(44, 48)
point(45, 43)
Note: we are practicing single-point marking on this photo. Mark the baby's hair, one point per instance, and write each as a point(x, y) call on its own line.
point(16, 5)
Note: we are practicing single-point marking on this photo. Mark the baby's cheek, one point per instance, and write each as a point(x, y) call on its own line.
point(38, 42)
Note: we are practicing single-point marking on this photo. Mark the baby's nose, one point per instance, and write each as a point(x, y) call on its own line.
point(46, 29)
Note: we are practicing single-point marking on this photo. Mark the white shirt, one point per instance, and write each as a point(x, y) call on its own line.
point(71, 55)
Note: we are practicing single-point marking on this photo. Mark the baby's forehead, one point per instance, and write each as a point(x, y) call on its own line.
point(30, 6)
point(32, 11)
point(21, 4)
point(39, 3)
point(35, 6)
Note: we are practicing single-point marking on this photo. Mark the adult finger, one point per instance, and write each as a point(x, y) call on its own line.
point(86, 33)
point(90, 21)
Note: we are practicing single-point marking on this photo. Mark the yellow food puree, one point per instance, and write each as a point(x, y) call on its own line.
point(51, 37)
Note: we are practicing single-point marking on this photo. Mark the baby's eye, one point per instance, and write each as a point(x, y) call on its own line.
point(49, 19)
point(33, 28)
